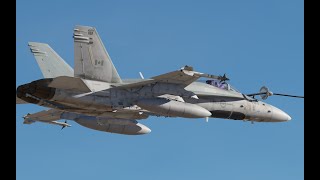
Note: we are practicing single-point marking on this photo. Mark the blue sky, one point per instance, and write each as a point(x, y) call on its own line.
point(255, 42)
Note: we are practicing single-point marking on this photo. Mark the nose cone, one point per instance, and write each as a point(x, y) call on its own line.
point(279, 115)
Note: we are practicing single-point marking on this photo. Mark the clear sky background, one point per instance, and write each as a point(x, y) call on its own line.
point(255, 42)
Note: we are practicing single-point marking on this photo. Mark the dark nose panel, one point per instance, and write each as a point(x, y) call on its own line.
point(227, 115)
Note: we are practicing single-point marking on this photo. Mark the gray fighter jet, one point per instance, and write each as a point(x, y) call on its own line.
point(94, 95)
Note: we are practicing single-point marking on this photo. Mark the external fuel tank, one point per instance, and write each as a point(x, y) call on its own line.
point(173, 108)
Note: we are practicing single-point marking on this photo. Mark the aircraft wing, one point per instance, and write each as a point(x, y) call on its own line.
point(183, 76)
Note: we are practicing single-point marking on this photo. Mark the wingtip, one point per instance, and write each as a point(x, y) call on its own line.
point(83, 27)
point(36, 43)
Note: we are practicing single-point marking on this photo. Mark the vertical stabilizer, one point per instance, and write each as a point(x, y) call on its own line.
point(91, 59)
point(50, 63)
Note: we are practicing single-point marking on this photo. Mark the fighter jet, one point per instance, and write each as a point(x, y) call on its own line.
point(94, 96)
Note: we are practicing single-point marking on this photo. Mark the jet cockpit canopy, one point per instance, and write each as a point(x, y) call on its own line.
point(221, 84)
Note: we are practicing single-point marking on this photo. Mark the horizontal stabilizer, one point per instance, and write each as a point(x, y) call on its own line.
point(47, 116)
point(20, 101)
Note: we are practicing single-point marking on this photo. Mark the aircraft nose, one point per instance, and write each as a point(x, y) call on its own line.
point(279, 115)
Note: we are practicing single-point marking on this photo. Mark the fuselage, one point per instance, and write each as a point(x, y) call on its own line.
point(231, 104)
point(121, 103)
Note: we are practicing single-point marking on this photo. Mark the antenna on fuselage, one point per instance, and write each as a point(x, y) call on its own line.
point(141, 75)
point(207, 119)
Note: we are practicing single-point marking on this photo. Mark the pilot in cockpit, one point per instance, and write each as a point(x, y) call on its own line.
point(218, 84)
